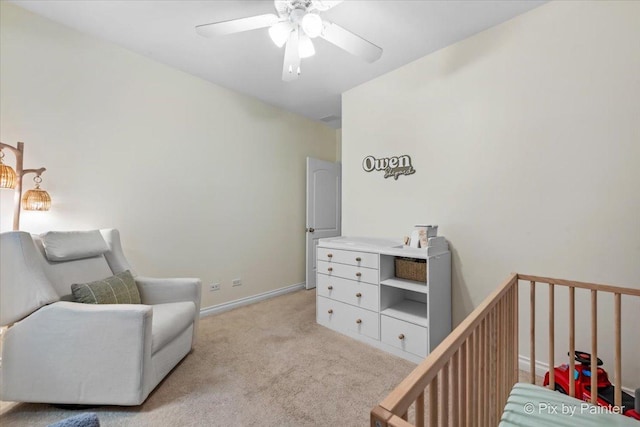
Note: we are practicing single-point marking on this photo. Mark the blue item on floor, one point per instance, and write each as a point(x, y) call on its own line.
point(88, 419)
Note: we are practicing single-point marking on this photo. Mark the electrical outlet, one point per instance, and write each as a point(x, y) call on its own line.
point(214, 287)
point(237, 282)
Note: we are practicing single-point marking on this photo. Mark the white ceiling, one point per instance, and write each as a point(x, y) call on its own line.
point(251, 64)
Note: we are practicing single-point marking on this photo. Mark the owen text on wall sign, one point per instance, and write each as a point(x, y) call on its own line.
point(392, 166)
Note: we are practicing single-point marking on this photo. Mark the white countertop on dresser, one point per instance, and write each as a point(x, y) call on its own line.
point(384, 246)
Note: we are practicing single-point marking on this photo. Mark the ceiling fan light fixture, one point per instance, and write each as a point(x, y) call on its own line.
point(312, 24)
point(279, 33)
point(305, 46)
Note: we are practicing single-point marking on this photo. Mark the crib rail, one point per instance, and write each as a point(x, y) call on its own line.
point(466, 380)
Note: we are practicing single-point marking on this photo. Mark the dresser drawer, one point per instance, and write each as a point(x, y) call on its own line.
point(360, 274)
point(346, 318)
point(404, 335)
point(360, 294)
point(361, 259)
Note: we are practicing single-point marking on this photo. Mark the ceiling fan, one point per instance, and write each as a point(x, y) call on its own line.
point(296, 23)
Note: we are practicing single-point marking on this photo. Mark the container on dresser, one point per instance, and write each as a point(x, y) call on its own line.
point(358, 294)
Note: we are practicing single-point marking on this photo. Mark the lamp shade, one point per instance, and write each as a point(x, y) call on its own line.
point(7, 176)
point(36, 200)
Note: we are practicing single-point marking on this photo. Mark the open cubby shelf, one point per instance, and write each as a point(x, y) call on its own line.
point(410, 311)
point(409, 285)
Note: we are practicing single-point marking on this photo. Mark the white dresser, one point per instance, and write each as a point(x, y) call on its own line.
point(358, 294)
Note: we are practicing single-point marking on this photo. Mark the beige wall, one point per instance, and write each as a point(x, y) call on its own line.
point(526, 143)
point(200, 180)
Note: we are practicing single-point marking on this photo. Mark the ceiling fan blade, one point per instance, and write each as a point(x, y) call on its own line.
point(291, 65)
point(323, 5)
point(350, 42)
point(236, 25)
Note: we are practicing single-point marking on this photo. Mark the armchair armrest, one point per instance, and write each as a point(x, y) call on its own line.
point(94, 354)
point(160, 291)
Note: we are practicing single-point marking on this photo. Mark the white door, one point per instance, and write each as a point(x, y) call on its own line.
point(323, 208)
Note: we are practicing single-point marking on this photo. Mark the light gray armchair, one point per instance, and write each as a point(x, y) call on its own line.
point(58, 351)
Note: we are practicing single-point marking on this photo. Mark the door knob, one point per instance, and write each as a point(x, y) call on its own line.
point(311, 229)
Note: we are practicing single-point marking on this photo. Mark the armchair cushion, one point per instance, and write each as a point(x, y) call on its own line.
point(170, 320)
point(118, 289)
point(71, 245)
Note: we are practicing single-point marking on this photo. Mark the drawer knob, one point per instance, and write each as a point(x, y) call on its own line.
point(329, 287)
point(329, 255)
point(358, 294)
point(358, 259)
point(401, 336)
point(358, 321)
point(358, 274)
point(330, 311)
point(330, 269)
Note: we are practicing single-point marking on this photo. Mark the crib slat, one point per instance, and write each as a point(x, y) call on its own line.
point(510, 343)
point(499, 354)
point(505, 352)
point(552, 337)
point(493, 377)
point(485, 371)
point(509, 347)
point(516, 343)
point(479, 377)
point(474, 376)
point(496, 389)
point(516, 334)
point(420, 410)
point(455, 376)
point(617, 373)
point(469, 381)
point(433, 402)
point(532, 338)
point(464, 384)
point(594, 346)
point(444, 396)
point(572, 340)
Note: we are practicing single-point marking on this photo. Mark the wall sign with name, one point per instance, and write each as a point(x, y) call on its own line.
point(392, 166)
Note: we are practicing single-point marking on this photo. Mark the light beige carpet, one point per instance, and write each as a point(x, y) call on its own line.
point(266, 364)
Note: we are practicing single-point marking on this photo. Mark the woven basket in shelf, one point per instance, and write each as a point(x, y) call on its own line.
point(411, 269)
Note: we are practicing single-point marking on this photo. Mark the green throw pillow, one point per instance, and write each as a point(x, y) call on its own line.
point(118, 289)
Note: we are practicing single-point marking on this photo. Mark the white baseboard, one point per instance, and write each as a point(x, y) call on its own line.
point(226, 306)
point(541, 369)
point(524, 363)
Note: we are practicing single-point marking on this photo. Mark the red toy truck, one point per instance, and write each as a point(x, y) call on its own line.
point(582, 375)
